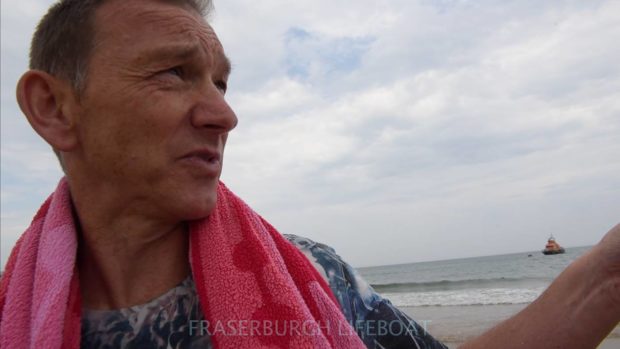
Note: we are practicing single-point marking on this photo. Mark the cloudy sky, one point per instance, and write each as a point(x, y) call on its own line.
point(395, 130)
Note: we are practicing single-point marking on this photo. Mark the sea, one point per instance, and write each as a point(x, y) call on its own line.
point(516, 278)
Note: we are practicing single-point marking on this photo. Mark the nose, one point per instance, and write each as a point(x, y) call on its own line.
point(211, 111)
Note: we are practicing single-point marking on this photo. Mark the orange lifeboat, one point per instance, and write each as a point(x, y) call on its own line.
point(552, 247)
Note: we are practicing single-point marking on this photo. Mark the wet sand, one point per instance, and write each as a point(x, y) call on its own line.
point(453, 325)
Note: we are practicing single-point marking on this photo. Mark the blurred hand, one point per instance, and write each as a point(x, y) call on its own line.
point(607, 256)
point(609, 247)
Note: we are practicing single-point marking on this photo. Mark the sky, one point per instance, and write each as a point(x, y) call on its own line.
point(396, 131)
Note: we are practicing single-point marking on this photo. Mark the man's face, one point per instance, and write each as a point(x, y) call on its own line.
point(153, 120)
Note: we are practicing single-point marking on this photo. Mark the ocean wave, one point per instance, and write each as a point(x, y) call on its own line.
point(488, 296)
point(447, 285)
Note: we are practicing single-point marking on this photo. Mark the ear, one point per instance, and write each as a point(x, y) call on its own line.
point(48, 103)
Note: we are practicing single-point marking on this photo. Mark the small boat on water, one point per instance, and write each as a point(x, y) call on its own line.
point(552, 247)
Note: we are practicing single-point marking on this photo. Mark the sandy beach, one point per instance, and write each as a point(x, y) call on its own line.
point(453, 325)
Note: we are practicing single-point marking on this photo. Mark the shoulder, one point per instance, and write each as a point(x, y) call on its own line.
point(364, 308)
point(322, 257)
point(355, 295)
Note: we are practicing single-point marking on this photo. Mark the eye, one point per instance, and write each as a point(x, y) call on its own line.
point(177, 71)
point(221, 85)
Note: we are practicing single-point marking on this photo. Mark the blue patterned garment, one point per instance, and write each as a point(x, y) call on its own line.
point(169, 321)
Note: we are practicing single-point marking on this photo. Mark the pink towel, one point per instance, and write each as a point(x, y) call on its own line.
point(256, 289)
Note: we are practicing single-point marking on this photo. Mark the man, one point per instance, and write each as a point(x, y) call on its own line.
point(158, 253)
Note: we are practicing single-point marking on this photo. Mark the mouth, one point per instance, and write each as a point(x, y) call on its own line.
point(205, 161)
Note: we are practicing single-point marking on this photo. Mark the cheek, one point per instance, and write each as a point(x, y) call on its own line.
point(133, 123)
point(118, 144)
point(134, 130)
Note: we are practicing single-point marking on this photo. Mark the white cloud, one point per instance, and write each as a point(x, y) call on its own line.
point(405, 130)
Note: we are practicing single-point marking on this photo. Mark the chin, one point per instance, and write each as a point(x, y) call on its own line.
point(199, 207)
point(195, 199)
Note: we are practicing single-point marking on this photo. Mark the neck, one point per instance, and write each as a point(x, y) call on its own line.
point(126, 258)
point(118, 271)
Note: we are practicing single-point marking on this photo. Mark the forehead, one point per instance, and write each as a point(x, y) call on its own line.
point(137, 25)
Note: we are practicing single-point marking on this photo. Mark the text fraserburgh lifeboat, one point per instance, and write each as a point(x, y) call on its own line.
point(552, 247)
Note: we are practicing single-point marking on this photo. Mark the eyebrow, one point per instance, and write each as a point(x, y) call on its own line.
point(181, 52)
point(167, 52)
point(227, 66)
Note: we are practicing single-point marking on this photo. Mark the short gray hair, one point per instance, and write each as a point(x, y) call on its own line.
point(62, 42)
